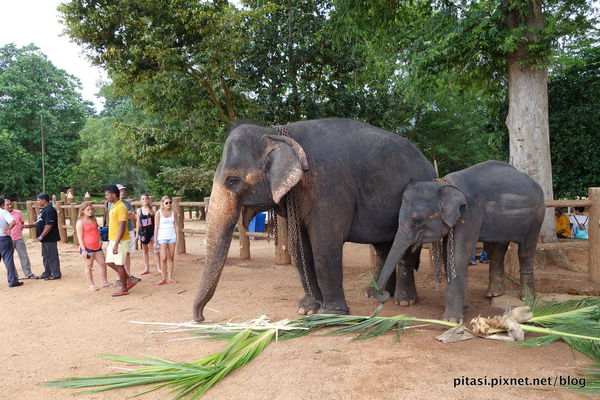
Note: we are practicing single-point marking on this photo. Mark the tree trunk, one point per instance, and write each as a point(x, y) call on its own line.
point(527, 119)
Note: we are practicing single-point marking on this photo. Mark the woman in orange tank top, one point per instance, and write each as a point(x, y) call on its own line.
point(90, 246)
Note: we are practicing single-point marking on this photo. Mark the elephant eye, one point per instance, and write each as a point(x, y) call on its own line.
point(418, 220)
point(232, 182)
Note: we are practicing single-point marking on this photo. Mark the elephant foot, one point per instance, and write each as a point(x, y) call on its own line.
point(495, 293)
point(406, 298)
point(527, 285)
point(308, 306)
point(496, 287)
point(455, 318)
point(381, 297)
point(334, 310)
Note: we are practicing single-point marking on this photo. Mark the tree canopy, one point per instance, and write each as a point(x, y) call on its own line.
point(36, 96)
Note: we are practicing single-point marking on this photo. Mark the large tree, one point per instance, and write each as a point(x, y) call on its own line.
point(37, 98)
point(482, 42)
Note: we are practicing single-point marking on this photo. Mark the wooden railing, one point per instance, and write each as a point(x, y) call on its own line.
point(70, 210)
point(68, 213)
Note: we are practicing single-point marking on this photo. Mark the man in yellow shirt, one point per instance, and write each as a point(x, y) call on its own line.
point(563, 227)
point(118, 239)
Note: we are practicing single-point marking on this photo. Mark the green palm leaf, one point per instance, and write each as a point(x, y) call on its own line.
point(576, 322)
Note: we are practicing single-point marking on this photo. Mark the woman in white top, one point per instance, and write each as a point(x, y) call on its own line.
point(166, 237)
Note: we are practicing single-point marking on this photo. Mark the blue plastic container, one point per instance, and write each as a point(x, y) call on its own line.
point(258, 223)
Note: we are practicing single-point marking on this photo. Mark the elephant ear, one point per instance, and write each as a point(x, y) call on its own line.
point(453, 202)
point(286, 167)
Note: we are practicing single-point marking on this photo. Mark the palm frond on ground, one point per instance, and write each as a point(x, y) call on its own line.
point(576, 322)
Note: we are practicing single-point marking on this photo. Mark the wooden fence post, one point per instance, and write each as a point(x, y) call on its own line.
point(73, 221)
point(62, 221)
point(594, 235)
point(87, 197)
point(179, 224)
point(244, 239)
point(282, 255)
point(31, 217)
point(206, 205)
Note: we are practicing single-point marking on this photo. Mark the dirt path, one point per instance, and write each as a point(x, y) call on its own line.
point(54, 329)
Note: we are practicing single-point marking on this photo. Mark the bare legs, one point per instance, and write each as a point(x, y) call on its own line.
point(167, 263)
point(146, 252)
point(97, 256)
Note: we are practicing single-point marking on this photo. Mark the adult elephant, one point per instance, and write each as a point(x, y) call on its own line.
point(347, 177)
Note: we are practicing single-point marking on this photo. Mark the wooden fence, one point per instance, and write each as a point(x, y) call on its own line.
point(592, 243)
point(68, 213)
point(67, 209)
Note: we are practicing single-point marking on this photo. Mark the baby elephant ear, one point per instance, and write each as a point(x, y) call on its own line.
point(286, 167)
point(453, 202)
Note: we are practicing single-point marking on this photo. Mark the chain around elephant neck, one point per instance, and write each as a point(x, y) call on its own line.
point(437, 252)
point(290, 202)
point(293, 221)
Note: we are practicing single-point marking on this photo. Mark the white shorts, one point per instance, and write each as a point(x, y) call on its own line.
point(119, 258)
point(131, 242)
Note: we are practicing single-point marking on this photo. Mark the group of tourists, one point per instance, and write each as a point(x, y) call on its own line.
point(122, 228)
point(12, 224)
point(575, 226)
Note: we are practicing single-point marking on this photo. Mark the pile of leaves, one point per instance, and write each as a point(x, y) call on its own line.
point(577, 322)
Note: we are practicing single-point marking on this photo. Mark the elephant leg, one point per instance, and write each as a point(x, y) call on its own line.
point(303, 259)
point(496, 252)
point(464, 243)
point(406, 291)
point(526, 258)
point(382, 250)
point(327, 255)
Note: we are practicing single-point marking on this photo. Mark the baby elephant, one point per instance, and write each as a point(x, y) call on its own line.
point(491, 202)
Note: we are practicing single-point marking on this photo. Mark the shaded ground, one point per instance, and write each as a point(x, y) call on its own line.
point(54, 329)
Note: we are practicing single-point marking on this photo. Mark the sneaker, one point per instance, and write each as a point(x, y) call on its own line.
point(136, 278)
point(16, 284)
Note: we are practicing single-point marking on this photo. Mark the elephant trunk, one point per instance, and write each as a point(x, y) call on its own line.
point(223, 215)
point(399, 248)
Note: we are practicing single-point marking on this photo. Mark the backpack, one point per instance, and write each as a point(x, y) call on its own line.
point(579, 229)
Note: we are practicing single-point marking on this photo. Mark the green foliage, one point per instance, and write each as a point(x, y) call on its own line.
point(575, 322)
point(574, 95)
point(16, 179)
point(36, 96)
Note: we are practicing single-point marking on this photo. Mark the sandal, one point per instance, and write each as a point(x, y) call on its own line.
point(160, 283)
point(119, 293)
point(144, 272)
point(132, 284)
point(93, 288)
point(107, 285)
point(173, 281)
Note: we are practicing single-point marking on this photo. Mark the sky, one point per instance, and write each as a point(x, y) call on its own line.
point(36, 21)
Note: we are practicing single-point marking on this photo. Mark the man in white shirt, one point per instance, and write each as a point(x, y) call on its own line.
point(7, 222)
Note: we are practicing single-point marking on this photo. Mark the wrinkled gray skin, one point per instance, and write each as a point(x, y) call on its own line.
point(349, 177)
point(491, 202)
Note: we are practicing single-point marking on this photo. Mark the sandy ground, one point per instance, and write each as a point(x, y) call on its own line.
point(54, 329)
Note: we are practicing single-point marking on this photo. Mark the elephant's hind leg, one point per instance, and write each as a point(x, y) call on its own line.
point(496, 252)
point(406, 290)
point(526, 258)
point(382, 250)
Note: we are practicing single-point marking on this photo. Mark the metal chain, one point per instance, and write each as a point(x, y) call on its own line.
point(294, 233)
point(450, 258)
point(436, 252)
